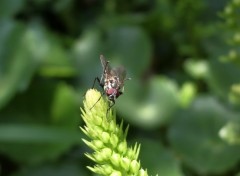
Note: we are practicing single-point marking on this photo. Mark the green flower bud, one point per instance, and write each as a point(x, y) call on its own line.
point(108, 140)
point(97, 120)
point(130, 153)
point(112, 125)
point(134, 166)
point(122, 147)
point(105, 137)
point(115, 159)
point(95, 132)
point(107, 169)
point(116, 173)
point(98, 144)
point(99, 157)
point(106, 153)
point(143, 173)
point(114, 140)
point(125, 163)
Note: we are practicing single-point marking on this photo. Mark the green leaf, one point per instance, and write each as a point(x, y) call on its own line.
point(57, 169)
point(58, 62)
point(187, 93)
point(33, 144)
point(21, 50)
point(234, 94)
point(10, 8)
point(149, 107)
point(160, 161)
point(194, 137)
point(87, 50)
point(130, 46)
point(32, 124)
point(65, 107)
point(196, 68)
point(36, 134)
point(231, 131)
point(221, 77)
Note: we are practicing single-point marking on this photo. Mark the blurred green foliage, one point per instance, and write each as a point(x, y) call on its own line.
point(183, 102)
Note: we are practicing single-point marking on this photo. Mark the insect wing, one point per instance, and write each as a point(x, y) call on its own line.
point(120, 73)
point(106, 69)
point(105, 65)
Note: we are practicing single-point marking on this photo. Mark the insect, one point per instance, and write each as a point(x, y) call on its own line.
point(112, 81)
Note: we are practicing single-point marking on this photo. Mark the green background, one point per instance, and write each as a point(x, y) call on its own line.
point(182, 103)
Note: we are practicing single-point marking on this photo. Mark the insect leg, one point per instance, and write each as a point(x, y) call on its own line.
point(94, 84)
point(97, 100)
point(110, 106)
point(98, 80)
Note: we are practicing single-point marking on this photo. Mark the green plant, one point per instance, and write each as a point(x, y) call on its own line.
point(108, 140)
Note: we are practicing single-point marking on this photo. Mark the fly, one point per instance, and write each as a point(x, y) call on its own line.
point(112, 81)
